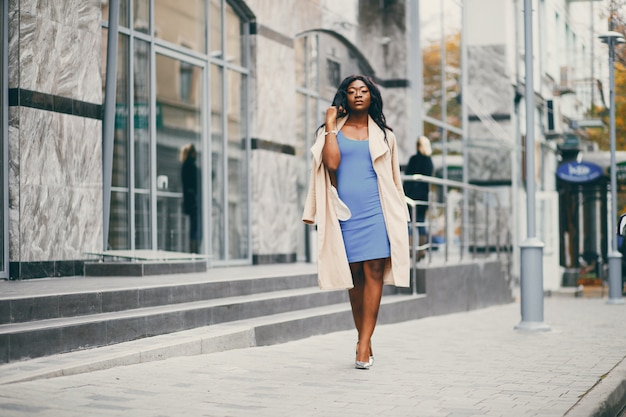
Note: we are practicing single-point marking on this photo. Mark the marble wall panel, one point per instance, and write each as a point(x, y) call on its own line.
point(37, 53)
point(78, 75)
point(88, 73)
point(14, 183)
point(275, 92)
point(395, 110)
point(289, 17)
point(59, 223)
point(55, 186)
point(58, 51)
point(14, 51)
point(84, 14)
point(488, 78)
point(276, 215)
point(88, 14)
point(59, 149)
point(39, 161)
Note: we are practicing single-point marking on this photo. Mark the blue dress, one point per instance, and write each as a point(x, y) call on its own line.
point(364, 234)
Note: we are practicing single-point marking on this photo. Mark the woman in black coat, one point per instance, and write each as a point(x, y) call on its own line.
point(420, 163)
point(190, 176)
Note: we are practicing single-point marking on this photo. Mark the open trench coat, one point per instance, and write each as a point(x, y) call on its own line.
point(333, 267)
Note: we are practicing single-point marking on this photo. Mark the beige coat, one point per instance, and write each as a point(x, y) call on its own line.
point(333, 268)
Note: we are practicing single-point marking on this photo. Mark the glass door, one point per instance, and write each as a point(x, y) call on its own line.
point(180, 104)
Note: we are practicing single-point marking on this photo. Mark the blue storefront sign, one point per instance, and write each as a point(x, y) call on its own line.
point(578, 171)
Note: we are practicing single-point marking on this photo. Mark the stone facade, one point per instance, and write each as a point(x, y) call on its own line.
point(55, 121)
point(55, 168)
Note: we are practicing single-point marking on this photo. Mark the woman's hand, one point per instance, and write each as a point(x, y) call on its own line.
point(331, 118)
point(330, 154)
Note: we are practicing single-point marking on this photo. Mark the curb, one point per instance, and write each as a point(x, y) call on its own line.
point(607, 398)
point(199, 341)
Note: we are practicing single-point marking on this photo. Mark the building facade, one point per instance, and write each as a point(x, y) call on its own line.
point(246, 83)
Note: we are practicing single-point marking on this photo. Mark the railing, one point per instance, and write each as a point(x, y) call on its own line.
point(462, 221)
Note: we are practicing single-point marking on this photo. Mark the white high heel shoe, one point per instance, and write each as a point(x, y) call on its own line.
point(369, 363)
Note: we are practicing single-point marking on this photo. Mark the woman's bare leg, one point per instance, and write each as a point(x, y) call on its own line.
point(356, 294)
point(372, 293)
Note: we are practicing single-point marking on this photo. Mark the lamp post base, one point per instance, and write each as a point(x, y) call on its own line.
point(533, 326)
point(531, 286)
point(615, 278)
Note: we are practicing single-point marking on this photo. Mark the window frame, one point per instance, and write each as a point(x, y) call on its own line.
point(160, 46)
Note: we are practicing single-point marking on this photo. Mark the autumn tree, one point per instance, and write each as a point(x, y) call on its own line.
point(616, 18)
point(431, 56)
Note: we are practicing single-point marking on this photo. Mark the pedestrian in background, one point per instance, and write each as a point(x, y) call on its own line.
point(190, 178)
point(355, 151)
point(420, 163)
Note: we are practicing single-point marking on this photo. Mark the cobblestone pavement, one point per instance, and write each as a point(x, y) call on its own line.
point(465, 364)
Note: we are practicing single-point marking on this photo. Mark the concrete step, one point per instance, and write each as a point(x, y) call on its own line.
point(258, 331)
point(29, 307)
point(33, 339)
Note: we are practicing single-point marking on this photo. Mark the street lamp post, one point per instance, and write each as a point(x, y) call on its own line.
point(531, 250)
point(615, 257)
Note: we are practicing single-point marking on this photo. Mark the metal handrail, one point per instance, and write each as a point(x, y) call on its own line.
point(476, 206)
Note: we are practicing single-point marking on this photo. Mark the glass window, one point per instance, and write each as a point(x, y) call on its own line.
point(123, 14)
point(300, 56)
point(119, 237)
point(141, 15)
point(215, 13)
point(237, 168)
point(141, 118)
point(452, 69)
point(148, 209)
point(141, 141)
point(118, 224)
point(432, 33)
point(312, 61)
point(122, 114)
point(181, 22)
point(217, 165)
point(186, 78)
point(234, 36)
point(143, 236)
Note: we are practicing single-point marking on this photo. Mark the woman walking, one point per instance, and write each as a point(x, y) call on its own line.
point(355, 151)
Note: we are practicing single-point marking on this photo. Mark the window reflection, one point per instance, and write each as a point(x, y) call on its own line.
point(181, 22)
point(141, 116)
point(234, 32)
point(237, 169)
point(141, 14)
point(217, 165)
point(215, 14)
point(179, 156)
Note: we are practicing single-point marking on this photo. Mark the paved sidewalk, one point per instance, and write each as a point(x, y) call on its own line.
point(466, 364)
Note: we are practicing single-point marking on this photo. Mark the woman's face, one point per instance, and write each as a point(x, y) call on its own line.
point(359, 98)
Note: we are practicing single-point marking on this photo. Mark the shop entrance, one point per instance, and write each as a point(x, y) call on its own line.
point(583, 191)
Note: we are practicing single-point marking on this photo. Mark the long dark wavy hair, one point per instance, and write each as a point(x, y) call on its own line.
point(376, 104)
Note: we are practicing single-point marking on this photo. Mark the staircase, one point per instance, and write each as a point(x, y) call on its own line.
point(216, 310)
point(62, 326)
